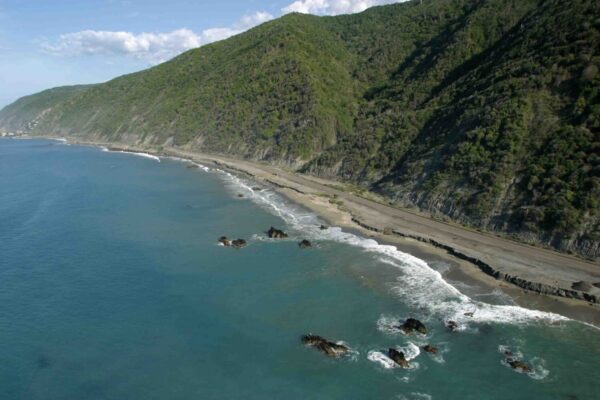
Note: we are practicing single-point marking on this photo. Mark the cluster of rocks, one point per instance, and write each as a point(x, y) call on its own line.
point(274, 233)
point(517, 364)
point(237, 243)
point(328, 347)
point(334, 349)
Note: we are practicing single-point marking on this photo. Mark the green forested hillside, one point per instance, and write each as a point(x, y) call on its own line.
point(485, 111)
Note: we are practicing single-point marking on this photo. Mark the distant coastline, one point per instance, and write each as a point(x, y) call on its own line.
point(534, 277)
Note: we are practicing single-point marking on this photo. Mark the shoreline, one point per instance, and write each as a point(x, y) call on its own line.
point(338, 208)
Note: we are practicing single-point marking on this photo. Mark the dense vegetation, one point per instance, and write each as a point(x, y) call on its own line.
point(485, 111)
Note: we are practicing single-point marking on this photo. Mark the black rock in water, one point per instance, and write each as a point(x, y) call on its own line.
point(305, 244)
point(452, 325)
point(411, 325)
point(519, 365)
point(430, 349)
point(398, 357)
point(276, 233)
point(328, 347)
point(239, 243)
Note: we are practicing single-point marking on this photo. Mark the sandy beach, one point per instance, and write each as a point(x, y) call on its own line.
point(533, 277)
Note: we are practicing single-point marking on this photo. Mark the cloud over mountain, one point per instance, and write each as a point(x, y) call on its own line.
point(152, 47)
point(334, 7)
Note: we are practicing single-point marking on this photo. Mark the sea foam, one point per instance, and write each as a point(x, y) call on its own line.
point(135, 153)
point(417, 284)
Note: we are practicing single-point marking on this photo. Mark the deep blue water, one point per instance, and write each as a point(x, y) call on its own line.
point(113, 286)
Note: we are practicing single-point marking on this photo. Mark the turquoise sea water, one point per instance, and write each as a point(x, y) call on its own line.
point(113, 286)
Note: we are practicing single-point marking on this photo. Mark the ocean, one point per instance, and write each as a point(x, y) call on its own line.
point(113, 286)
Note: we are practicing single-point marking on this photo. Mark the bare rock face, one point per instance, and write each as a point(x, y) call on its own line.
point(276, 233)
point(225, 241)
point(411, 325)
point(430, 349)
point(239, 243)
point(398, 357)
point(330, 348)
point(304, 244)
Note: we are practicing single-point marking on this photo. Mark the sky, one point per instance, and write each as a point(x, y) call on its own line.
point(49, 43)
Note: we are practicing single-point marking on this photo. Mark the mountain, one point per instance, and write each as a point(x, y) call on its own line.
point(486, 112)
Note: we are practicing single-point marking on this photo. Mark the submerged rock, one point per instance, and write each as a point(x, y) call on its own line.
point(276, 233)
point(256, 189)
point(239, 243)
point(469, 314)
point(430, 349)
point(192, 166)
point(324, 227)
point(305, 244)
point(225, 241)
point(411, 325)
point(398, 357)
point(43, 362)
point(519, 365)
point(330, 348)
point(240, 195)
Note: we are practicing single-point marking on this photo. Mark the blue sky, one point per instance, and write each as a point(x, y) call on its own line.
point(47, 43)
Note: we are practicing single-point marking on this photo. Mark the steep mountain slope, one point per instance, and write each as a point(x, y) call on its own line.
point(485, 111)
point(25, 113)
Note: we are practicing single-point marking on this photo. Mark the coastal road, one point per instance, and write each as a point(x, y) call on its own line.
point(531, 263)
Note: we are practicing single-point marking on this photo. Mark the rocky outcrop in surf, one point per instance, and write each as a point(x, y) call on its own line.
point(452, 325)
point(430, 349)
point(411, 325)
point(304, 244)
point(398, 357)
point(239, 243)
point(519, 365)
point(274, 233)
point(330, 348)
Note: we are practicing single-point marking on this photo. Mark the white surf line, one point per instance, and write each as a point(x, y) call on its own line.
point(146, 155)
point(418, 285)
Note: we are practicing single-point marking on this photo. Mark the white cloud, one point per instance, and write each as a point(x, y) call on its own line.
point(152, 47)
point(334, 7)
point(247, 22)
point(159, 47)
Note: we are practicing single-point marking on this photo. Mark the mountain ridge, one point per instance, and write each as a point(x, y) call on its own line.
point(483, 112)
